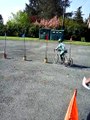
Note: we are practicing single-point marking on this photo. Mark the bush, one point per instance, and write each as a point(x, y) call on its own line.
point(33, 31)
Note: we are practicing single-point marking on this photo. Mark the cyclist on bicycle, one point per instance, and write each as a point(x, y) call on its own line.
point(61, 48)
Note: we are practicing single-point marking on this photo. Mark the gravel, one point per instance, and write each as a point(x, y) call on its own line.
point(34, 90)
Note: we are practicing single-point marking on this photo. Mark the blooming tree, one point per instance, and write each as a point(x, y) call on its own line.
point(52, 23)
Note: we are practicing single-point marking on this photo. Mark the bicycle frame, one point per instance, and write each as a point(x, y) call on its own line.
point(57, 58)
point(66, 61)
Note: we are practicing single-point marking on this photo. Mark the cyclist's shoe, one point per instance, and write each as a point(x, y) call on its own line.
point(62, 62)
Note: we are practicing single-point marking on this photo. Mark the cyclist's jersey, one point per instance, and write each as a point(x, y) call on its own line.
point(61, 48)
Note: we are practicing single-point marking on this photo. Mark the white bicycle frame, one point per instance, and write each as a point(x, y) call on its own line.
point(57, 58)
point(66, 62)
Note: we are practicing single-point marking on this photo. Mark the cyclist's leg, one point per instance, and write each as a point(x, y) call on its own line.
point(62, 57)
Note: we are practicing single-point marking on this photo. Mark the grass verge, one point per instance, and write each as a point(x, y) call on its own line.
point(37, 39)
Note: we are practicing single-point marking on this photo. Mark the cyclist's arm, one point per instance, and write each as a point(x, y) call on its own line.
point(57, 47)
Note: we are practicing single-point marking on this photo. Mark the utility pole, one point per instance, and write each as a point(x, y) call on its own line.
point(64, 10)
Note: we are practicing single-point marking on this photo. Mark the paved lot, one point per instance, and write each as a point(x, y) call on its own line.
point(34, 90)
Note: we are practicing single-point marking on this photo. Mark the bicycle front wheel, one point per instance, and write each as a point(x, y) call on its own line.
point(56, 58)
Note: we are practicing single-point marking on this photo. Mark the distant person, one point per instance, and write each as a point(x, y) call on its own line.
point(62, 49)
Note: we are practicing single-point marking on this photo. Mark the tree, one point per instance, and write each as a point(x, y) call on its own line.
point(78, 16)
point(74, 29)
point(1, 19)
point(20, 18)
point(50, 23)
point(1, 25)
point(18, 24)
point(46, 9)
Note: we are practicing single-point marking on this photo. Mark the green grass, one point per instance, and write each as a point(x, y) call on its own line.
point(37, 39)
point(17, 38)
point(77, 43)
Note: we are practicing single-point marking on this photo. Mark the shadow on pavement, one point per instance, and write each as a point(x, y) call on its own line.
point(9, 58)
point(28, 60)
point(79, 66)
point(50, 62)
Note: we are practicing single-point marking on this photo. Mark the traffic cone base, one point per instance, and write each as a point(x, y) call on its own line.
point(5, 55)
point(24, 58)
point(45, 60)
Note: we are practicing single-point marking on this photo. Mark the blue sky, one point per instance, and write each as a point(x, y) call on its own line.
point(12, 6)
point(85, 7)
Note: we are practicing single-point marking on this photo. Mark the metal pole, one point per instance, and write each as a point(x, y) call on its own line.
point(46, 59)
point(24, 57)
point(46, 49)
point(70, 52)
point(70, 48)
point(5, 55)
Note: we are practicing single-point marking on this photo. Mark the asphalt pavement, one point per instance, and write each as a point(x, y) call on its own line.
point(34, 90)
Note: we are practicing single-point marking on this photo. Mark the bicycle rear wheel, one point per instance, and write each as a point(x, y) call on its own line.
point(70, 61)
point(66, 61)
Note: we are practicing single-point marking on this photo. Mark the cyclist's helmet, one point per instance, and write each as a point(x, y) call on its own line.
point(59, 40)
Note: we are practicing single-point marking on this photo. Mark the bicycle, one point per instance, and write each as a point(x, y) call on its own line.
point(65, 60)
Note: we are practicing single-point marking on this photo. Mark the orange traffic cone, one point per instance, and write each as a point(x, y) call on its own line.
point(72, 111)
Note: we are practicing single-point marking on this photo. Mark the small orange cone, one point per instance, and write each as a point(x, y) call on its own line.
point(72, 111)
